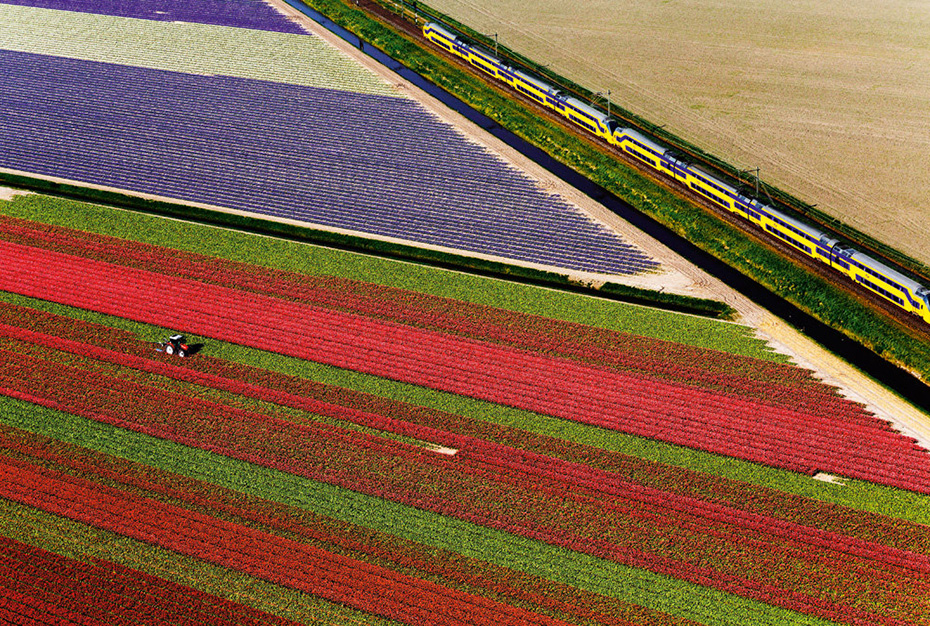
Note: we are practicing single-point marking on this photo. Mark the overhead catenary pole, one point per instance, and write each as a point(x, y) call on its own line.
point(601, 94)
point(756, 170)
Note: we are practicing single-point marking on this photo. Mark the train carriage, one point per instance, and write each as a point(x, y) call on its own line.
point(443, 38)
point(538, 90)
point(883, 280)
point(859, 267)
point(646, 150)
point(809, 240)
point(588, 118)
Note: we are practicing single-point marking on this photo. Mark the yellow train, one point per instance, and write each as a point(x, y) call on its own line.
point(870, 273)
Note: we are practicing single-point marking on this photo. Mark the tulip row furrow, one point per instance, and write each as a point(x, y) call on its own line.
point(294, 521)
point(141, 598)
point(359, 336)
point(428, 311)
point(356, 331)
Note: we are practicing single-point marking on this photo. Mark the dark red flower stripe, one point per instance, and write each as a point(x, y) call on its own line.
point(670, 478)
point(853, 444)
point(716, 523)
point(23, 609)
point(115, 594)
point(281, 517)
point(355, 320)
point(100, 606)
point(334, 577)
point(770, 381)
point(68, 327)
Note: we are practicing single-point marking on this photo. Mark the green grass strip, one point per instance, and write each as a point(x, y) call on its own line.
point(637, 586)
point(80, 541)
point(186, 47)
point(316, 260)
point(855, 494)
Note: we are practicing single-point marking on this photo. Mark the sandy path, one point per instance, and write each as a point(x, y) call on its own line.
point(7, 193)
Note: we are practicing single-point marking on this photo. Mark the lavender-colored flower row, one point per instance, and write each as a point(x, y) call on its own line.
point(368, 163)
point(241, 13)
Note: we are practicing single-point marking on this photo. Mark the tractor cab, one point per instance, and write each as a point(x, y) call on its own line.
point(175, 344)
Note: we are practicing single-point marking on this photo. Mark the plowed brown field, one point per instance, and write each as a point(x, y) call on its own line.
point(828, 98)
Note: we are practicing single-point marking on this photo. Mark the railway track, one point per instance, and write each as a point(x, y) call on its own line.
point(905, 319)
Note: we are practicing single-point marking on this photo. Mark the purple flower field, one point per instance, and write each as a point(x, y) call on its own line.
point(241, 13)
point(374, 164)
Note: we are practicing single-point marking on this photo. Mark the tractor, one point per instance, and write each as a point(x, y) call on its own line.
point(175, 344)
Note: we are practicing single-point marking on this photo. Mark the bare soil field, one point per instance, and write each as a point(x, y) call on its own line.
point(829, 98)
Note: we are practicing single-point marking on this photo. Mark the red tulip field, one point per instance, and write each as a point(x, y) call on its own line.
point(141, 488)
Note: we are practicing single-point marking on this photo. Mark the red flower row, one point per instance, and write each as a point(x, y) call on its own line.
point(598, 346)
point(86, 339)
point(115, 594)
point(795, 440)
point(283, 561)
point(409, 556)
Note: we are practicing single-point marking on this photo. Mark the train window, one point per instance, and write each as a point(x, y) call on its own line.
point(708, 194)
point(640, 156)
point(878, 289)
point(590, 127)
point(484, 66)
point(788, 239)
point(881, 277)
point(529, 93)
